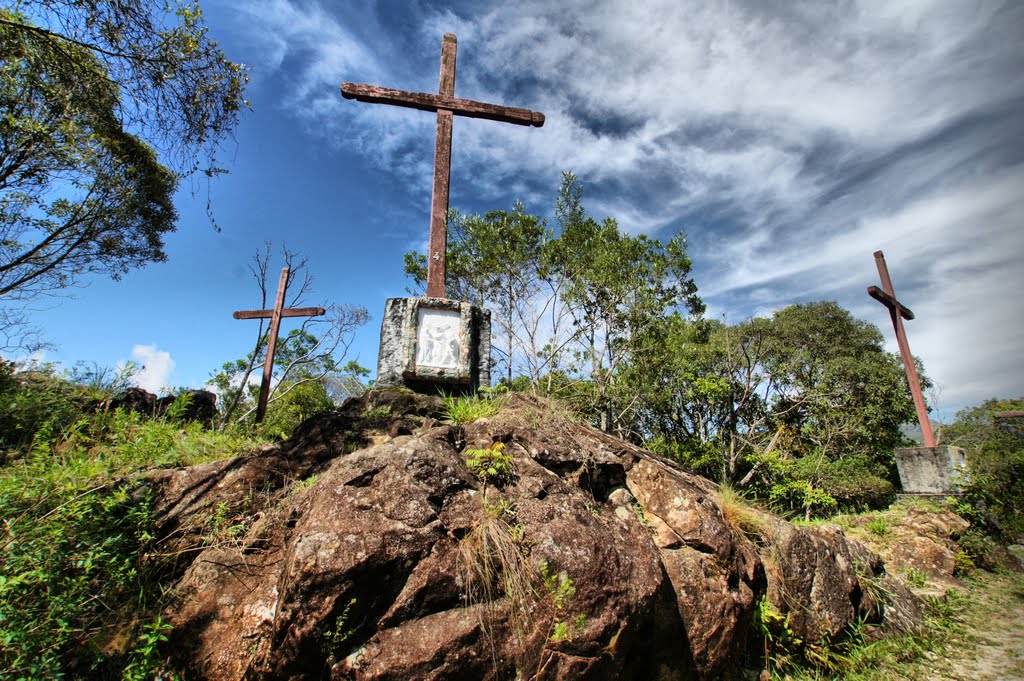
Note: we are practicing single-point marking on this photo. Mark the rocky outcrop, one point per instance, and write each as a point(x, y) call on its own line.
point(365, 547)
point(134, 399)
point(201, 405)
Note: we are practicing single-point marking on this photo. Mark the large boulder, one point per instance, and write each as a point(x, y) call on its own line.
point(354, 551)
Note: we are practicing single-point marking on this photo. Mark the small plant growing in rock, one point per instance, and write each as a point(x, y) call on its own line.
point(915, 577)
point(879, 527)
point(221, 525)
point(963, 564)
point(560, 589)
point(780, 643)
point(335, 638)
point(740, 515)
point(304, 484)
point(492, 465)
point(469, 408)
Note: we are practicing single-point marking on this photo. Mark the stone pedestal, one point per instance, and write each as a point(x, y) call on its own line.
point(931, 470)
point(434, 344)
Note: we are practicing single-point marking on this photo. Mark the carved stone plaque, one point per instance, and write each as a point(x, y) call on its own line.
point(429, 344)
point(437, 338)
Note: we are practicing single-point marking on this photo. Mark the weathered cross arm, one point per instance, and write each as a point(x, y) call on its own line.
point(890, 302)
point(289, 312)
point(429, 102)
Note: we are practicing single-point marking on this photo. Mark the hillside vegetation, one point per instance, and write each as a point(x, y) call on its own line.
point(85, 574)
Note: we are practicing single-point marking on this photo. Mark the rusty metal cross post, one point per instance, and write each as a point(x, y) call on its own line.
point(898, 312)
point(275, 316)
point(446, 105)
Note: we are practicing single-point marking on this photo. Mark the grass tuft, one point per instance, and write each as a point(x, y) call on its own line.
point(465, 409)
point(739, 514)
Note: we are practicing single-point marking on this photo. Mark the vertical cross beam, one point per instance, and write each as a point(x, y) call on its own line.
point(275, 327)
point(437, 267)
point(276, 314)
point(898, 312)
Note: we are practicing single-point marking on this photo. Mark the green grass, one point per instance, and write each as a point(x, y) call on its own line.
point(80, 593)
point(468, 408)
point(851, 657)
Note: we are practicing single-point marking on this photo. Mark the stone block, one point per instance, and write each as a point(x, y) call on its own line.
point(931, 470)
point(434, 344)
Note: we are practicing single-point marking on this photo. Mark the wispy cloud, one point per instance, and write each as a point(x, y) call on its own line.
point(790, 140)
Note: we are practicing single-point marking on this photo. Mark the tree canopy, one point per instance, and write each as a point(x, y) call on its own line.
point(104, 107)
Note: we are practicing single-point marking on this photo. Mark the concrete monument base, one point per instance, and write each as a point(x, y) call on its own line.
point(931, 470)
point(433, 344)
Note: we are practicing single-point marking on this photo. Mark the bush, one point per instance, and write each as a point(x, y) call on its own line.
point(993, 498)
point(34, 397)
point(701, 458)
point(79, 592)
point(286, 413)
point(74, 581)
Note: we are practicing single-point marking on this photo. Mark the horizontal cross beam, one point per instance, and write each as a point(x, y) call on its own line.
point(890, 302)
point(287, 312)
point(430, 102)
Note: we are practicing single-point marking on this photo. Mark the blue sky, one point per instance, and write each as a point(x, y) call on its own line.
point(788, 140)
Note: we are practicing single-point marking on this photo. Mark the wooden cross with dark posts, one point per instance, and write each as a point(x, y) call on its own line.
point(275, 316)
point(898, 312)
point(445, 103)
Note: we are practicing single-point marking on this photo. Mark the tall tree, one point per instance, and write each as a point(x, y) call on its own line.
point(616, 286)
point(87, 90)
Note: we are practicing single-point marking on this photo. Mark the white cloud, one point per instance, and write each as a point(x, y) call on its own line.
point(157, 367)
point(790, 140)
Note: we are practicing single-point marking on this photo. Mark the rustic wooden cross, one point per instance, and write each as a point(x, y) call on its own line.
point(275, 316)
point(445, 104)
point(898, 312)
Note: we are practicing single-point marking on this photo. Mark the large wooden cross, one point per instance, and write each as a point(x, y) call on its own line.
point(275, 316)
point(445, 104)
point(898, 312)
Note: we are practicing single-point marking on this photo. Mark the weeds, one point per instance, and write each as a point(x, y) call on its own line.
point(79, 579)
point(494, 564)
point(879, 527)
point(492, 465)
point(740, 515)
point(469, 408)
point(915, 577)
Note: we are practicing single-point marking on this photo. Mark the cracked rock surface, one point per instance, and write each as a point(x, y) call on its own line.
point(347, 553)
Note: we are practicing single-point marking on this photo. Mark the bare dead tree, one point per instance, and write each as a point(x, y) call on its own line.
point(328, 338)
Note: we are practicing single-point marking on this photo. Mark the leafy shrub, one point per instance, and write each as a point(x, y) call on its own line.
point(791, 495)
point(31, 398)
point(979, 548)
point(702, 458)
point(293, 407)
point(492, 465)
point(993, 499)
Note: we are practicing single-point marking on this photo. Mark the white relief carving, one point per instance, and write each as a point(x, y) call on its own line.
point(437, 338)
